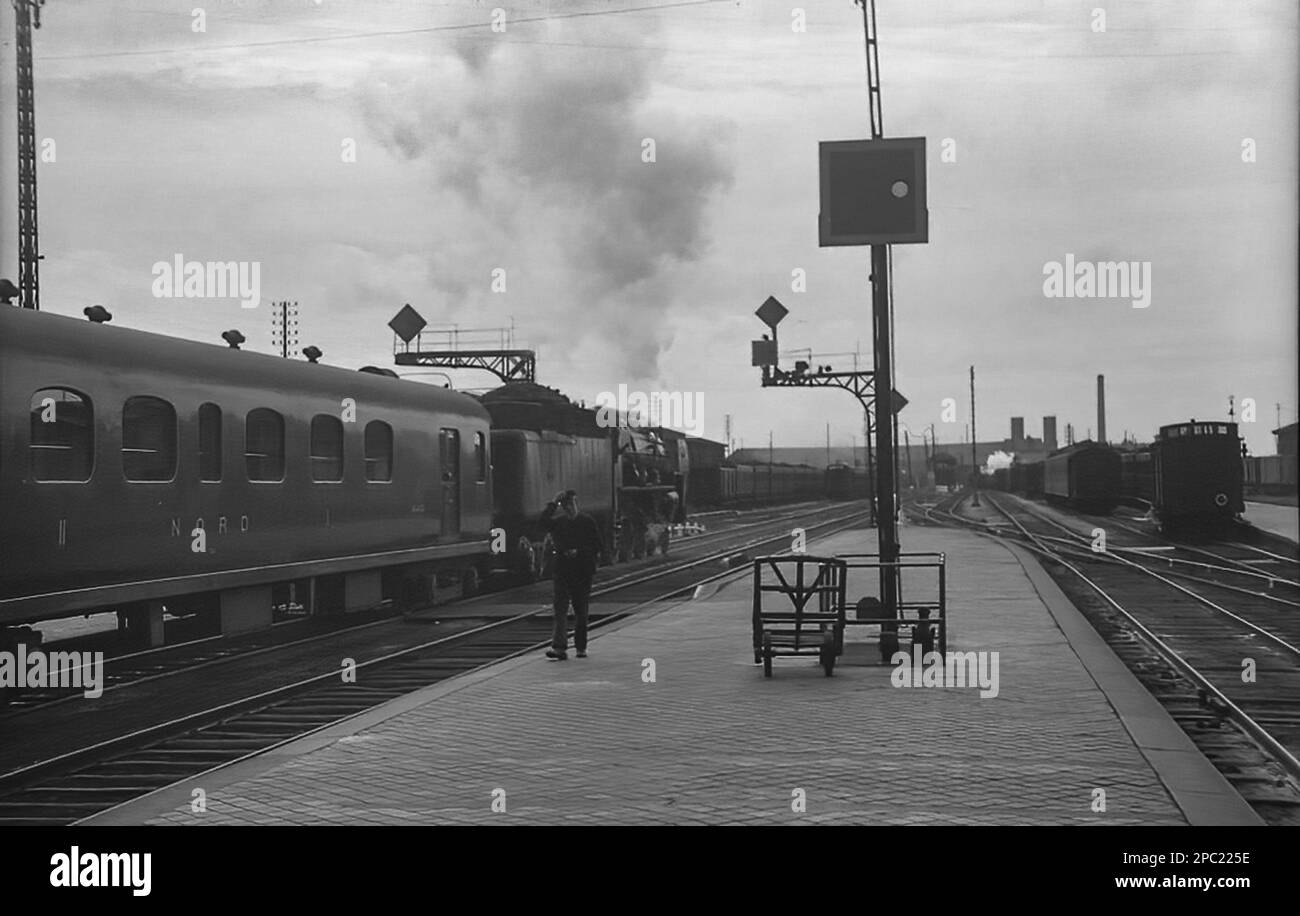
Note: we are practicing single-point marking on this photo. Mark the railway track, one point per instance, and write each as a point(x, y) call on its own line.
point(126, 668)
point(1174, 630)
point(93, 775)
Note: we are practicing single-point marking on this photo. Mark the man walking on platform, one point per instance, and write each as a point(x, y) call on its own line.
point(578, 547)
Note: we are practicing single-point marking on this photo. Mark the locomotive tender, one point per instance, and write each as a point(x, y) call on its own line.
point(627, 478)
point(1198, 475)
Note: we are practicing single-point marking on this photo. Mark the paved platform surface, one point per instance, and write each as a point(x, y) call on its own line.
point(711, 741)
point(1282, 520)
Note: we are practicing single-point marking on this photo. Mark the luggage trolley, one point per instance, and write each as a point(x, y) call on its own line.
point(799, 625)
point(922, 606)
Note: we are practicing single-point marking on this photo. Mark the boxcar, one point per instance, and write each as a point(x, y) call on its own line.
point(846, 482)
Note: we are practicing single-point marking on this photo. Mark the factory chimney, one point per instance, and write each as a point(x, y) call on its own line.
point(1017, 432)
point(1101, 409)
point(1049, 433)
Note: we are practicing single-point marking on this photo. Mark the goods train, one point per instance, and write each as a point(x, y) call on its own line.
point(1191, 476)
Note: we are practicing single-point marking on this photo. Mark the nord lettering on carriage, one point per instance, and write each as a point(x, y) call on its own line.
point(683, 410)
point(181, 279)
point(39, 670)
point(956, 669)
point(1101, 280)
point(103, 869)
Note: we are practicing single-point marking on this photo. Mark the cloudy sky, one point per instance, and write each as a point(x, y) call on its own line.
point(522, 150)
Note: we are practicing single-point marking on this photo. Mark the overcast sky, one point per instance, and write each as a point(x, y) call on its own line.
point(522, 150)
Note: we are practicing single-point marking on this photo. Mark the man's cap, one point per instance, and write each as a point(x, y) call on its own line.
point(570, 495)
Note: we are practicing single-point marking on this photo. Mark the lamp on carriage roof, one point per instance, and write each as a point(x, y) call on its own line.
point(233, 337)
point(312, 353)
point(97, 313)
point(7, 291)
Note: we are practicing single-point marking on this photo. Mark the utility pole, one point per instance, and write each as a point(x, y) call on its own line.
point(769, 467)
point(974, 449)
point(828, 445)
point(27, 16)
point(907, 438)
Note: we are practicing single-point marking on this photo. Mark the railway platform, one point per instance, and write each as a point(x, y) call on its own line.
point(669, 721)
point(1283, 521)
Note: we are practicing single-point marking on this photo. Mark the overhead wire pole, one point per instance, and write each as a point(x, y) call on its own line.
point(27, 16)
point(881, 321)
point(974, 454)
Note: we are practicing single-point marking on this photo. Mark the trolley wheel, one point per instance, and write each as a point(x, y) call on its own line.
point(828, 652)
point(767, 655)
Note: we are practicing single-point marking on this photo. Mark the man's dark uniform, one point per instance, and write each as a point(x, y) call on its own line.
point(578, 546)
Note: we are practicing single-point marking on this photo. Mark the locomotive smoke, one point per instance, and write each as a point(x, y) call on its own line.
point(551, 147)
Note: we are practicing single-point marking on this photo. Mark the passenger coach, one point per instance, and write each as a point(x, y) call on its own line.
point(117, 446)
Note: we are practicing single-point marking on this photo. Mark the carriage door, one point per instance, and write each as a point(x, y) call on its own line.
point(449, 461)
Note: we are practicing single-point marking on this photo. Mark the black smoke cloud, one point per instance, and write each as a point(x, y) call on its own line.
point(535, 151)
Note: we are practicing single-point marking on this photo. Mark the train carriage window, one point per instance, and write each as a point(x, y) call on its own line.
point(209, 443)
point(264, 445)
point(379, 451)
point(480, 458)
point(62, 436)
point(148, 440)
point(326, 448)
